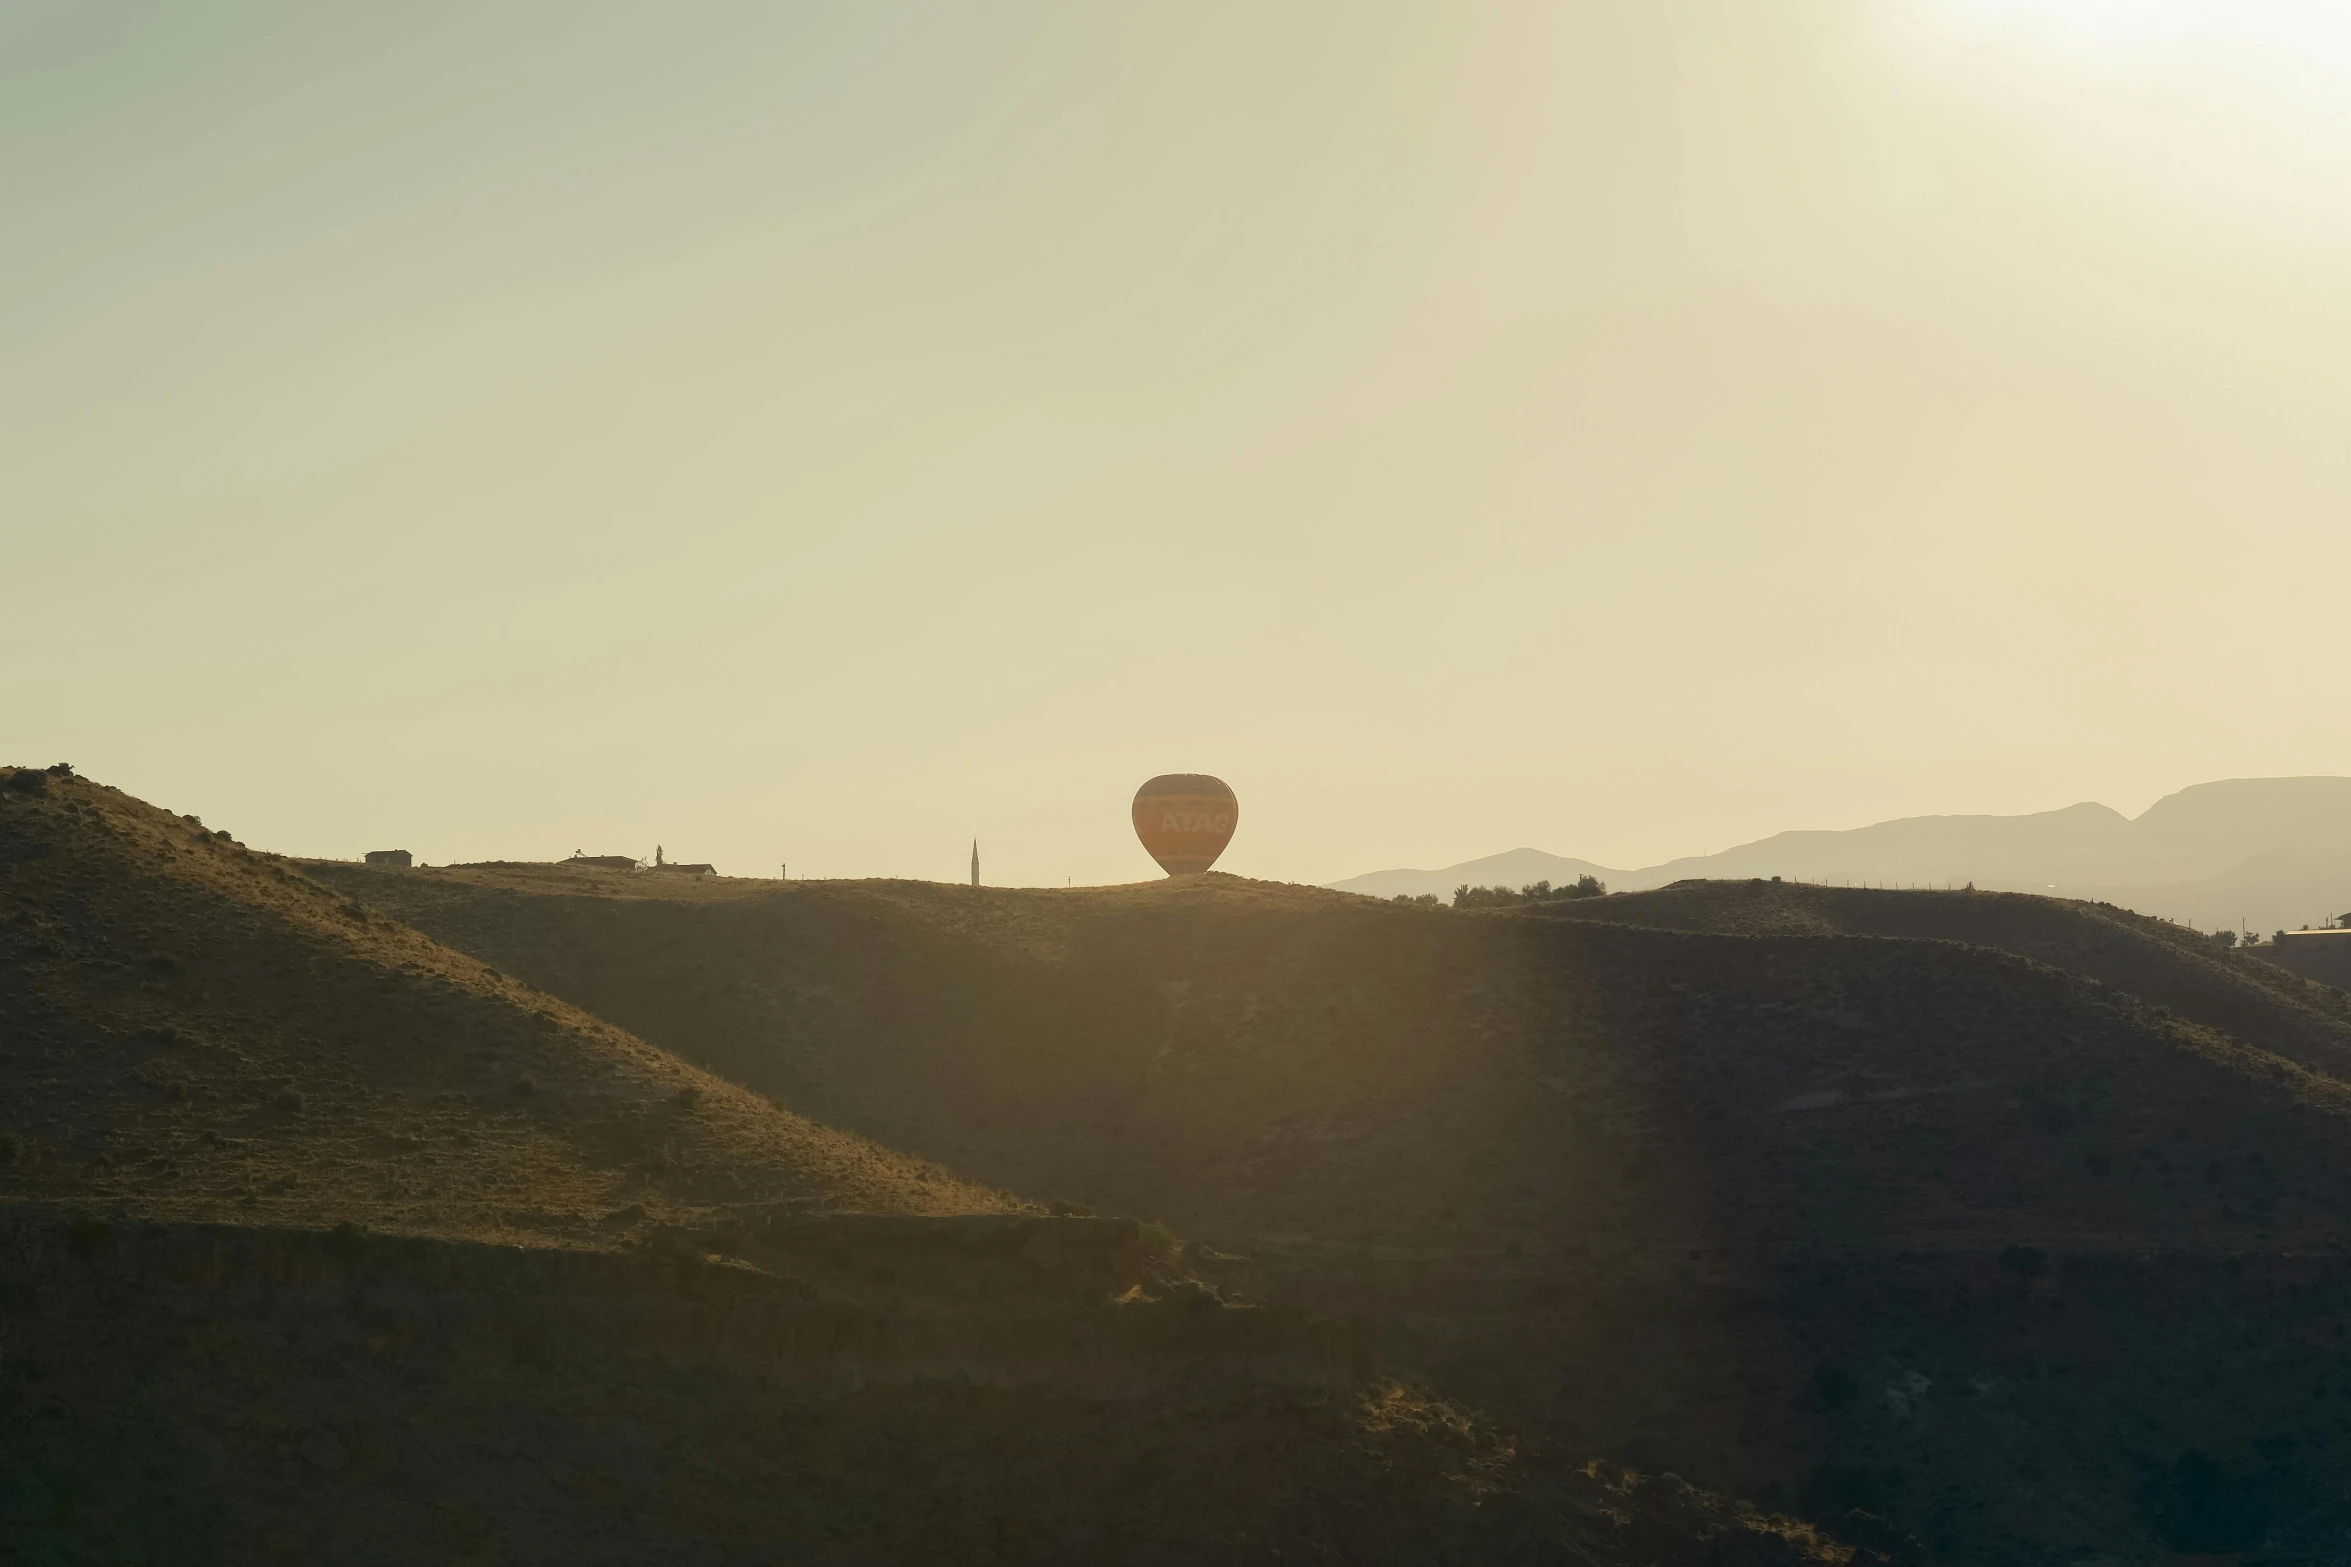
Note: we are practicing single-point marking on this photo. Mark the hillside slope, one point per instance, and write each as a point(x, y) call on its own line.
point(1645, 1188)
point(320, 1241)
point(1251, 1062)
point(193, 1030)
point(2159, 962)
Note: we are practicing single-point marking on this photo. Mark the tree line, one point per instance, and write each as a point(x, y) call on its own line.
point(1467, 897)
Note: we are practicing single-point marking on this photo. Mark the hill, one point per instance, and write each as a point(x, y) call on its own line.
point(198, 1031)
point(2229, 990)
point(322, 1241)
point(1249, 1059)
point(2273, 852)
point(1785, 1165)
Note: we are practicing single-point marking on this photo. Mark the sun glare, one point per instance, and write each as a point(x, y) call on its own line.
point(2293, 35)
point(2233, 106)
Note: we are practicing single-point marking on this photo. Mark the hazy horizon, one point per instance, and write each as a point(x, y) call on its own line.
point(827, 434)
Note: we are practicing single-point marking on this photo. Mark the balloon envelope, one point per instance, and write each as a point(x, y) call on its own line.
point(1185, 820)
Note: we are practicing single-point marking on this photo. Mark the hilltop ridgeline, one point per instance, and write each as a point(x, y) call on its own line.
point(2272, 851)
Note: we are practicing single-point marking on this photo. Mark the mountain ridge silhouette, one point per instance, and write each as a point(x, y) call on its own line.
point(2270, 852)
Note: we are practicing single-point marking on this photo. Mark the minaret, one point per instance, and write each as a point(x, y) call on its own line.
point(975, 862)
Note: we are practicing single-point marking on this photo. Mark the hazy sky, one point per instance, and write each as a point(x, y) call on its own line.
point(826, 432)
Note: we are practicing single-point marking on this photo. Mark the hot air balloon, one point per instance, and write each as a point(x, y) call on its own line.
point(1185, 820)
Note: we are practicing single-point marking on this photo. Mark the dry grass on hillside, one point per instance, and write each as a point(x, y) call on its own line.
point(195, 1030)
point(1638, 1185)
point(2235, 992)
point(1293, 1067)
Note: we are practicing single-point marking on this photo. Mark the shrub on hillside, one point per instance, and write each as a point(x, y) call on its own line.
point(1585, 886)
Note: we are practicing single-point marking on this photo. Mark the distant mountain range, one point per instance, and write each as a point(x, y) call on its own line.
point(2274, 853)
